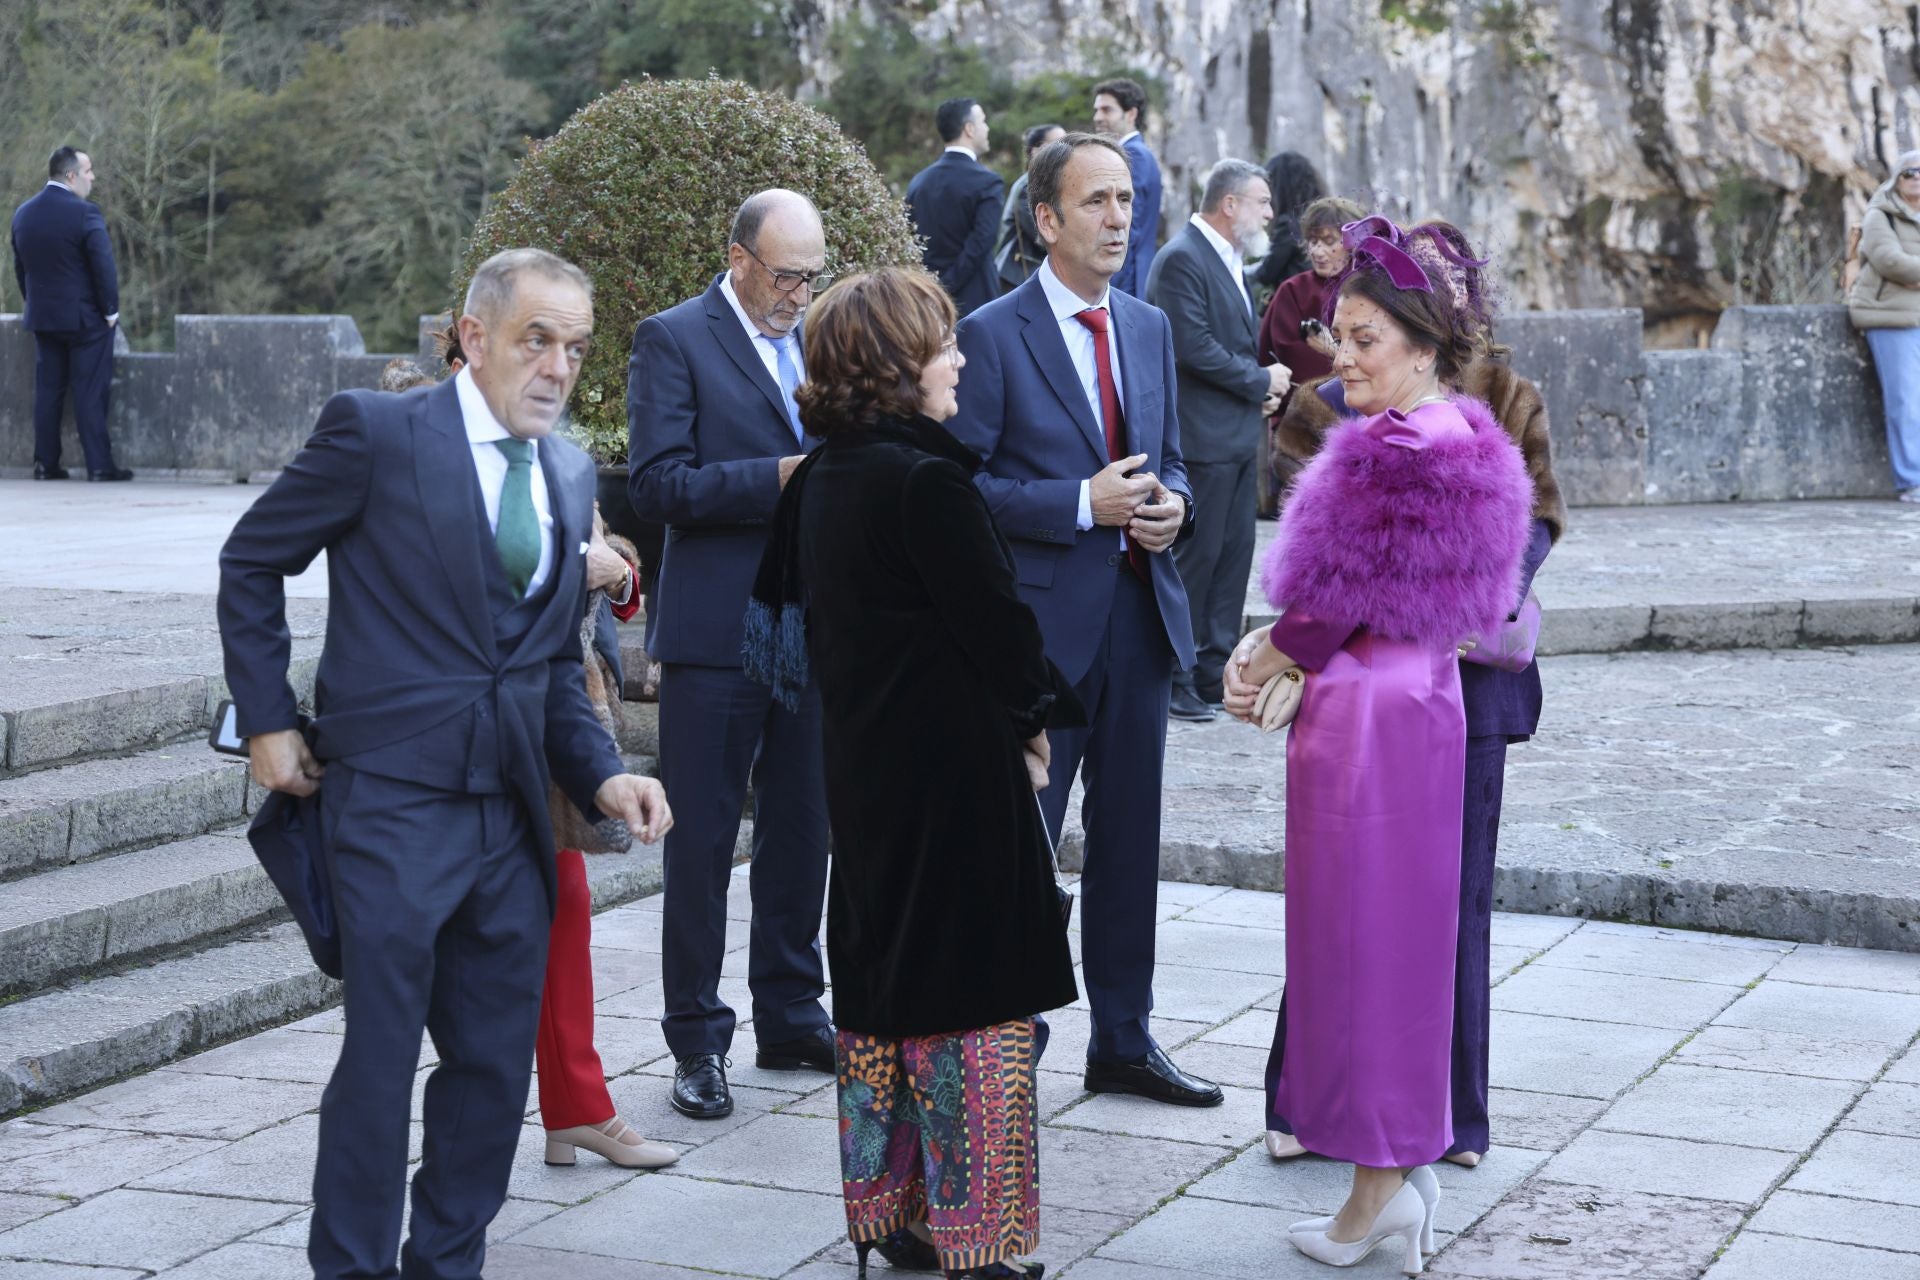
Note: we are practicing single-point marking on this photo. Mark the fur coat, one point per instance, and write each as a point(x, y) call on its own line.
point(1420, 543)
point(571, 830)
point(1515, 402)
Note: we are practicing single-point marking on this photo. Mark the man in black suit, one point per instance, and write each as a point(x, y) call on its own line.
point(456, 528)
point(1199, 280)
point(713, 436)
point(63, 262)
point(955, 205)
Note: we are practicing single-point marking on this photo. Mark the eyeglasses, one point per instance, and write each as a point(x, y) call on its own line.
point(788, 281)
point(1909, 173)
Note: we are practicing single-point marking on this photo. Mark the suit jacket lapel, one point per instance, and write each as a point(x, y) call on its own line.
point(1049, 349)
point(739, 348)
point(1137, 364)
point(449, 491)
point(1238, 301)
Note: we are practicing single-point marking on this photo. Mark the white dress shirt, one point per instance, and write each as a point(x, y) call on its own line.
point(1235, 260)
point(768, 349)
point(491, 466)
point(1067, 305)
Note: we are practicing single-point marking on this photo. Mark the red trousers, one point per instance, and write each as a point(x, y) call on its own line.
point(573, 1087)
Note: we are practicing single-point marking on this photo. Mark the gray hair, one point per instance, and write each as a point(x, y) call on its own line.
point(493, 285)
point(1907, 160)
point(752, 214)
point(1228, 178)
point(1049, 166)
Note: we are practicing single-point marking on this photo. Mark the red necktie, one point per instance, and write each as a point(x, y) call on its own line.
point(1114, 421)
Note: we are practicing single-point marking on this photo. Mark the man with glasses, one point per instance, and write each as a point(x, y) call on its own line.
point(713, 436)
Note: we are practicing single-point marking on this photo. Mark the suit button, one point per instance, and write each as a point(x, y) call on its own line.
point(1113, 561)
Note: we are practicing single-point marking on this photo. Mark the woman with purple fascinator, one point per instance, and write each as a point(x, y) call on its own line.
point(1402, 540)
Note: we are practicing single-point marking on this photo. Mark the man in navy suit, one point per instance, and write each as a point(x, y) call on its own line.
point(456, 529)
point(63, 262)
point(1119, 111)
point(1069, 397)
point(713, 436)
point(955, 204)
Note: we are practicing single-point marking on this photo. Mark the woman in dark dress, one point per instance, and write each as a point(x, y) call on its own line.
point(886, 582)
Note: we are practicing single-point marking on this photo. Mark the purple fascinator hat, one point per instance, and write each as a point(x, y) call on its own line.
point(1433, 257)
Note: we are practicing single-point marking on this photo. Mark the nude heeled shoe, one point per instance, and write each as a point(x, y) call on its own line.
point(1401, 1218)
point(1283, 1146)
point(1424, 1184)
point(607, 1140)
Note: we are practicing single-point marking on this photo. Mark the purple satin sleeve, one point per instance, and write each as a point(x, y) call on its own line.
point(1308, 640)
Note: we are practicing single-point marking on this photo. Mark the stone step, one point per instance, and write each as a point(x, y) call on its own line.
point(67, 1039)
point(72, 812)
point(73, 920)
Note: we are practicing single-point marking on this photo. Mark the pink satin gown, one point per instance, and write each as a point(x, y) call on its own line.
point(1376, 760)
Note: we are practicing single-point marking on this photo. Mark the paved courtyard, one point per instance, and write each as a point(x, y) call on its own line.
point(1666, 1104)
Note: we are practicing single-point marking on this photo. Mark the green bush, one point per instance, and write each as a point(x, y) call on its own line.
point(638, 189)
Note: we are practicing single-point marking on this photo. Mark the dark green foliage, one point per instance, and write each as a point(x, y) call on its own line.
point(639, 188)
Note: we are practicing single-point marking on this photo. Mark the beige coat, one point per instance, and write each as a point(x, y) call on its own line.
point(1882, 298)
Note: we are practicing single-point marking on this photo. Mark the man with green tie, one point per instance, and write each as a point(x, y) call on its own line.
point(450, 691)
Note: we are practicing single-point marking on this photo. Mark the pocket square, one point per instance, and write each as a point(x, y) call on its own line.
point(583, 548)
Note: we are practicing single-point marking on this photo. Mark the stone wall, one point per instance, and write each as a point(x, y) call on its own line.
point(233, 399)
point(1783, 405)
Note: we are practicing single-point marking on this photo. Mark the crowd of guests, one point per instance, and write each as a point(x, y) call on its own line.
point(936, 550)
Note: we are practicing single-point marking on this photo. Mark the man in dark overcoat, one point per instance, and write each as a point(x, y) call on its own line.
point(1199, 280)
point(456, 528)
point(1068, 395)
point(63, 263)
point(955, 205)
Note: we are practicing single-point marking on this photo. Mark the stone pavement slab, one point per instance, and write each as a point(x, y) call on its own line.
point(1755, 1256)
point(1622, 1149)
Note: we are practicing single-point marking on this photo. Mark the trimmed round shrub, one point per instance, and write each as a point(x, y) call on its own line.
point(639, 188)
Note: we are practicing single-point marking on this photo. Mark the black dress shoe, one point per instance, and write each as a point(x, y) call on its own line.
point(111, 473)
point(43, 472)
point(1001, 1271)
point(1153, 1076)
point(903, 1250)
point(1214, 695)
point(1187, 705)
point(811, 1052)
point(700, 1087)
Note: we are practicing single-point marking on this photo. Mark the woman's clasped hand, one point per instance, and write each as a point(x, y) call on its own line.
point(1254, 662)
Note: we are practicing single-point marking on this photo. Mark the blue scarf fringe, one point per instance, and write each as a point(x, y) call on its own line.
point(774, 649)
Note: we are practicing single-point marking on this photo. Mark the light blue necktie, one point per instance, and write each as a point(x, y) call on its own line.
point(789, 382)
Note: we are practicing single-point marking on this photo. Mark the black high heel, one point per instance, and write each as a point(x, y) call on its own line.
point(903, 1250)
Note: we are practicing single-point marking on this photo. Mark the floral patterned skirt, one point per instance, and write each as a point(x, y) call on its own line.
point(941, 1129)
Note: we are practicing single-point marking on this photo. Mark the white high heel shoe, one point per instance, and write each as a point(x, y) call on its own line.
point(1400, 1218)
point(1423, 1182)
point(608, 1140)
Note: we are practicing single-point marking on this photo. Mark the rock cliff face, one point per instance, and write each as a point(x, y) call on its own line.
point(1681, 155)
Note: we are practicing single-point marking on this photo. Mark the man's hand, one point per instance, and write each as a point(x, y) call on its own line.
point(605, 569)
point(1270, 406)
point(639, 802)
point(1038, 756)
point(1114, 496)
point(1254, 661)
point(1279, 378)
point(1157, 523)
point(281, 762)
point(787, 467)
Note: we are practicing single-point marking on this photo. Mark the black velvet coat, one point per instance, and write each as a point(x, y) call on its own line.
point(941, 910)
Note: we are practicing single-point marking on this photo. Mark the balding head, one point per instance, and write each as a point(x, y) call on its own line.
point(777, 239)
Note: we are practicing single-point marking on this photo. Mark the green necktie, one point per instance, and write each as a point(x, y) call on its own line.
point(517, 535)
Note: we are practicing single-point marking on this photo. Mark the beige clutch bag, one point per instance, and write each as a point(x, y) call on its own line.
point(1279, 700)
